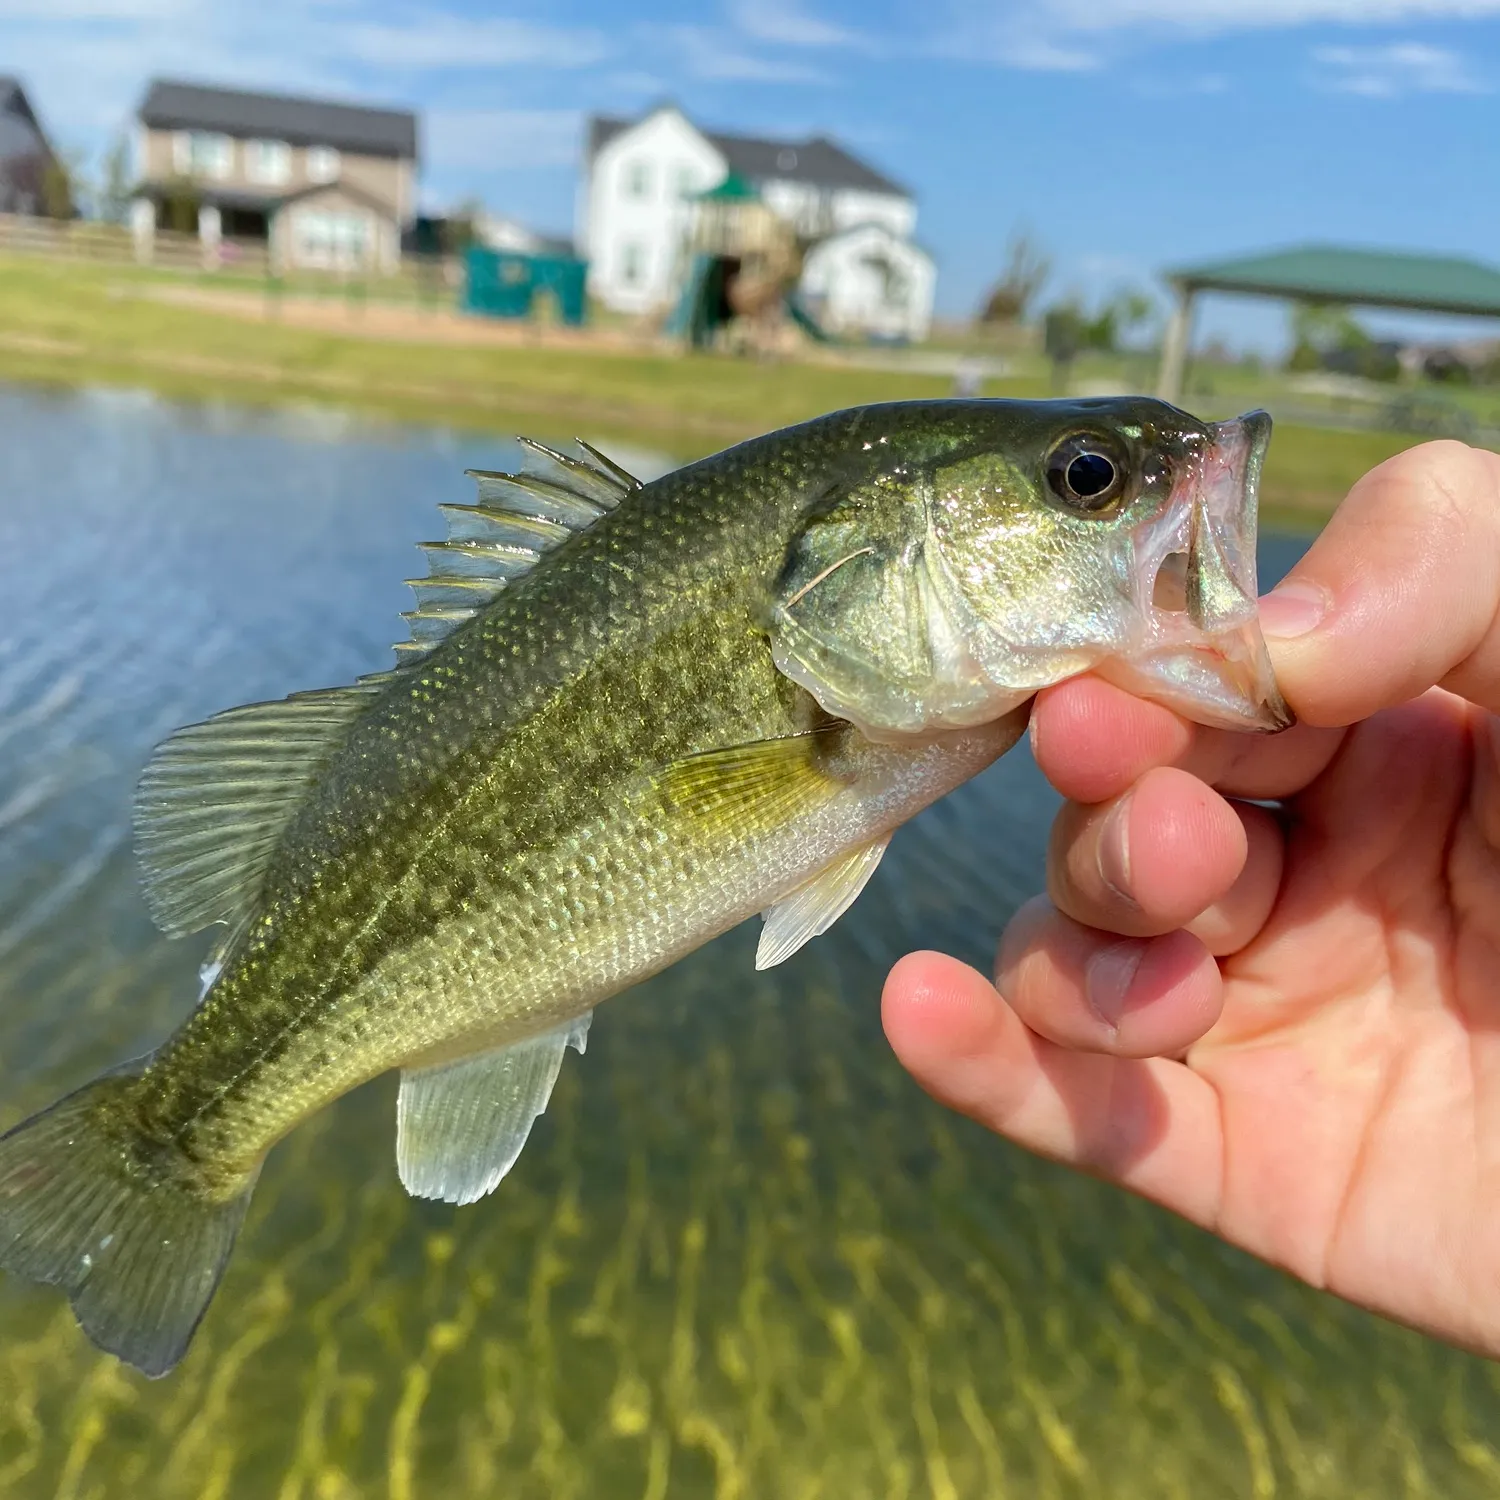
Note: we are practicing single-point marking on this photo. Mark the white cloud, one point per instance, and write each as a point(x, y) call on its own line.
point(91, 10)
point(1039, 54)
point(87, 62)
point(1401, 68)
point(1015, 42)
point(636, 82)
point(711, 54)
point(1075, 35)
point(86, 81)
point(449, 41)
point(788, 23)
point(500, 140)
point(1178, 86)
point(1227, 15)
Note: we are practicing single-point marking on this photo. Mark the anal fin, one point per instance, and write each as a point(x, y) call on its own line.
point(813, 908)
point(460, 1126)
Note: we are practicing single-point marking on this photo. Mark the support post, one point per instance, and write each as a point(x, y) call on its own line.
point(143, 228)
point(1174, 348)
point(210, 232)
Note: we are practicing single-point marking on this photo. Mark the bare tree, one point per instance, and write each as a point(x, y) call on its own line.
point(115, 183)
point(1027, 267)
point(62, 180)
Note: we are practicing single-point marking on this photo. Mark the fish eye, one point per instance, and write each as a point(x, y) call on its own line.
point(1086, 472)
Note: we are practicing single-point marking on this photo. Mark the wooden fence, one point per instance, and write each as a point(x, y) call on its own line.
point(418, 277)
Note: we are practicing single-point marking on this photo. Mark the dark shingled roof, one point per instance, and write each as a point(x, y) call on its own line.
point(818, 162)
point(13, 101)
point(301, 122)
point(1363, 278)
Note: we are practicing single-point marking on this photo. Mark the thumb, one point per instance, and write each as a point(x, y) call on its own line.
point(1400, 593)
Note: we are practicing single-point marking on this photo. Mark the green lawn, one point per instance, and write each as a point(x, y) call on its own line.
point(72, 323)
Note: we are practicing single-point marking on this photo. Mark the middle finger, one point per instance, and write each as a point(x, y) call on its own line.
point(1170, 853)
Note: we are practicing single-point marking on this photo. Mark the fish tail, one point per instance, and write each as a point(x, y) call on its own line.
point(120, 1222)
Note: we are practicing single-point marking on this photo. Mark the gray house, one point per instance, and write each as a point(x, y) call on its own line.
point(31, 179)
point(323, 185)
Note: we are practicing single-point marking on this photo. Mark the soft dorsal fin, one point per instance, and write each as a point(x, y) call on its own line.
point(461, 1125)
point(215, 798)
point(518, 518)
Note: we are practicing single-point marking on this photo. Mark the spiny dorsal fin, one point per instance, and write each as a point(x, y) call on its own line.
point(215, 798)
point(519, 517)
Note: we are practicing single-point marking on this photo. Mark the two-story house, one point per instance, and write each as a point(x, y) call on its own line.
point(324, 185)
point(31, 179)
point(636, 201)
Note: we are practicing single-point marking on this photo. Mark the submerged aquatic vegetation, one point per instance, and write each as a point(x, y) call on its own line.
point(628, 718)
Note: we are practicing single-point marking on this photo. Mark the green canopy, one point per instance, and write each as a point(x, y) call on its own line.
point(733, 189)
point(1330, 273)
point(1362, 278)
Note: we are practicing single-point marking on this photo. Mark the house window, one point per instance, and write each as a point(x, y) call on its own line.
point(687, 182)
point(632, 263)
point(638, 179)
point(202, 153)
point(322, 164)
point(268, 162)
point(332, 241)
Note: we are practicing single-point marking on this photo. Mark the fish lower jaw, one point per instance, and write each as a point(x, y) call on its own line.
point(1218, 685)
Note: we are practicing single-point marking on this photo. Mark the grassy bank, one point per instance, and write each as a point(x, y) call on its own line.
point(74, 324)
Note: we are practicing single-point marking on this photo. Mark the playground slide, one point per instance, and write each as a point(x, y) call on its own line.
point(805, 320)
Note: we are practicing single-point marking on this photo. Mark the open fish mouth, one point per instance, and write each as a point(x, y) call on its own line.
point(1201, 650)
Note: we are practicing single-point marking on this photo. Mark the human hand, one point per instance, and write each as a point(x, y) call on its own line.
point(1284, 1025)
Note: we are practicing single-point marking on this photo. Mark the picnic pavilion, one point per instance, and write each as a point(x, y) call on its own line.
point(1327, 273)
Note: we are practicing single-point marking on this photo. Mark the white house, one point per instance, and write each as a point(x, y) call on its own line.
point(500, 232)
point(870, 280)
point(634, 212)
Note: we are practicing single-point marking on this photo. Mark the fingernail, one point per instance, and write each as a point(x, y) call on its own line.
point(1293, 608)
point(1107, 978)
point(1113, 851)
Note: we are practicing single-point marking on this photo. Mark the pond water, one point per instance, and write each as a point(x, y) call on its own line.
point(743, 1255)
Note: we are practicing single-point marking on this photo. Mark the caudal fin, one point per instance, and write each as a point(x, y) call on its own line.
point(138, 1249)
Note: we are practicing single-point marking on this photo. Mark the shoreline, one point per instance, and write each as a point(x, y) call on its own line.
point(71, 326)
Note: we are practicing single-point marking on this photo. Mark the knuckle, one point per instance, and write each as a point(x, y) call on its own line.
point(1450, 482)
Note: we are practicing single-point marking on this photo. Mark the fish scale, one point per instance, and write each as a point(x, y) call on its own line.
point(629, 717)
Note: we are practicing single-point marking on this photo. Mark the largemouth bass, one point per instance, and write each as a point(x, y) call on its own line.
point(629, 717)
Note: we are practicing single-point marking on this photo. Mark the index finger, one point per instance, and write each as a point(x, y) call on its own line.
point(1093, 741)
point(1399, 594)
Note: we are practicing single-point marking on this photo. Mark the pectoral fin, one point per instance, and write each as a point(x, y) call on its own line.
point(760, 785)
point(813, 908)
point(460, 1126)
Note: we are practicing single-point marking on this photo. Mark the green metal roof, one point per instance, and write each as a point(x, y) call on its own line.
point(1367, 278)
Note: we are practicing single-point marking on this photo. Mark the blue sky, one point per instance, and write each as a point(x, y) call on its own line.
point(1127, 135)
